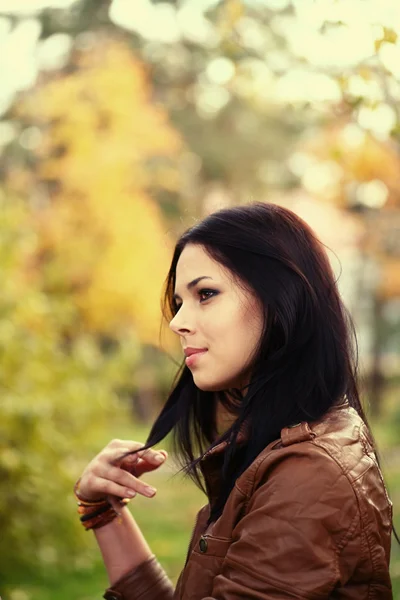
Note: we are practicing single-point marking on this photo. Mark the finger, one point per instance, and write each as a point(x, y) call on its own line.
point(115, 456)
point(109, 489)
point(135, 464)
point(144, 466)
point(130, 483)
point(130, 444)
point(140, 462)
point(154, 457)
point(150, 455)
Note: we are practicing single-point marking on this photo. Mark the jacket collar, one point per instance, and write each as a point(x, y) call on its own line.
point(242, 437)
point(212, 461)
point(297, 433)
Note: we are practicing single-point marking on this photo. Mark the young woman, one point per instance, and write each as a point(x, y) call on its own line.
point(266, 418)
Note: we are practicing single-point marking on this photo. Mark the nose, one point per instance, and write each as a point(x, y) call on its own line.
point(179, 324)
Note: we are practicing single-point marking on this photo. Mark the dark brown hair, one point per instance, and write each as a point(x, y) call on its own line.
point(306, 359)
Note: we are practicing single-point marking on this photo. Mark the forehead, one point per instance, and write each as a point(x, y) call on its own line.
point(195, 262)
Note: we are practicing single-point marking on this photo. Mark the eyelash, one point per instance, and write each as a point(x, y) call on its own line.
point(207, 291)
point(200, 293)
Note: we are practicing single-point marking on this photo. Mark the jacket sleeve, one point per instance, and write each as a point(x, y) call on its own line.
point(148, 581)
point(288, 544)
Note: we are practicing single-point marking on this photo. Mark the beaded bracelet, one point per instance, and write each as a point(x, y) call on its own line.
point(85, 514)
point(82, 501)
point(100, 521)
point(95, 513)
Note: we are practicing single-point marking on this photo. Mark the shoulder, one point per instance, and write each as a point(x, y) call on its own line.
point(330, 447)
point(301, 498)
point(309, 468)
point(303, 475)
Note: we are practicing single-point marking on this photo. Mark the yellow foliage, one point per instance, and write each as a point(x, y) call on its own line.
point(231, 12)
point(389, 284)
point(362, 159)
point(389, 36)
point(101, 132)
point(57, 396)
point(365, 160)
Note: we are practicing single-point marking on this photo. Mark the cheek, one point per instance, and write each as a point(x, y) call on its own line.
point(230, 356)
point(216, 324)
point(235, 335)
point(247, 333)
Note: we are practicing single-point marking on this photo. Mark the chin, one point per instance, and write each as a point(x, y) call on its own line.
point(211, 386)
point(207, 387)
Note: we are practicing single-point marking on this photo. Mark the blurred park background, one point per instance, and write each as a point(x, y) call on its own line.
point(122, 122)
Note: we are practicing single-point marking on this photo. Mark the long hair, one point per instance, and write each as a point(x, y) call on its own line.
point(304, 362)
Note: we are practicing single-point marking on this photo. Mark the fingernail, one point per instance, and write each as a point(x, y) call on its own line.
point(149, 491)
point(159, 458)
point(130, 494)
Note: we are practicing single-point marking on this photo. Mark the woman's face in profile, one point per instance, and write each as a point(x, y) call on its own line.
point(217, 320)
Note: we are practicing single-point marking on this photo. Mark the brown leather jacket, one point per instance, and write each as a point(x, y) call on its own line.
point(309, 519)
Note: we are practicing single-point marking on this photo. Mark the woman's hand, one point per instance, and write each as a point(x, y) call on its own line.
point(107, 475)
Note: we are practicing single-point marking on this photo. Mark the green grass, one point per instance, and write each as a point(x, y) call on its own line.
point(167, 521)
point(386, 431)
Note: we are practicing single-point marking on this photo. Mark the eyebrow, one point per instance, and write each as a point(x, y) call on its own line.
point(191, 285)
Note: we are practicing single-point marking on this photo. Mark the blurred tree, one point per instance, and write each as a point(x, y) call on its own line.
point(366, 183)
point(215, 80)
point(55, 402)
point(82, 257)
point(242, 79)
point(102, 144)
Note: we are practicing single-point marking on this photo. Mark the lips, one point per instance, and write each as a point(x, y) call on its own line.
point(190, 351)
point(193, 356)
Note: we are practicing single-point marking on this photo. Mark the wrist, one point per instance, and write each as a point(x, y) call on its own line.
point(94, 514)
point(83, 499)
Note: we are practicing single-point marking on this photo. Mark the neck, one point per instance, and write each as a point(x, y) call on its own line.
point(223, 418)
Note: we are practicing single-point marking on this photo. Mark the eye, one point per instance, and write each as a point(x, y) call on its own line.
point(175, 307)
point(206, 294)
